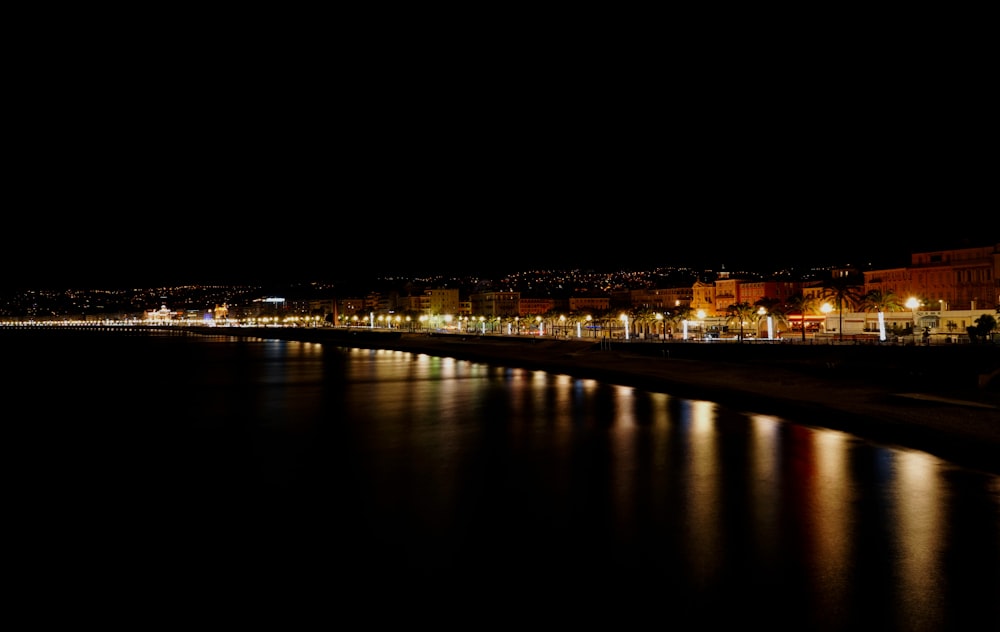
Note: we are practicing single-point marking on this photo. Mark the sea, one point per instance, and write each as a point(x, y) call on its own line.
point(155, 475)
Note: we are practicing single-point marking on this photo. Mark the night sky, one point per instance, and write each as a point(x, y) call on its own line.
point(106, 253)
point(147, 159)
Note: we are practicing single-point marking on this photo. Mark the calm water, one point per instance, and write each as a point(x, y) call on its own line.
point(265, 464)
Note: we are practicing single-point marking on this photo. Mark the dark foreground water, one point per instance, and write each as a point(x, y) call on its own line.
point(166, 473)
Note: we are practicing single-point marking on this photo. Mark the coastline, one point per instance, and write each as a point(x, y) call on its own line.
point(926, 399)
point(942, 400)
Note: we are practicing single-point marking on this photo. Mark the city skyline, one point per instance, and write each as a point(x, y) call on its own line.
point(423, 162)
point(91, 254)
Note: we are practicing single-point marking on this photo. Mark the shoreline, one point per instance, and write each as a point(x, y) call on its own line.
point(941, 400)
point(901, 397)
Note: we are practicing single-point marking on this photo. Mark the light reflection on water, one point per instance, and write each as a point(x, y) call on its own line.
point(424, 470)
point(711, 501)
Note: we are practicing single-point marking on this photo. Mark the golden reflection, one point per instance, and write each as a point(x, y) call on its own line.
point(832, 515)
point(562, 413)
point(704, 530)
point(449, 390)
point(449, 368)
point(516, 378)
point(765, 482)
point(624, 407)
point(661, 483)
point(623, 450)
point(920, 530)
point(539, 380)
point(422, 367)
point(660, 404)
point(479, 370)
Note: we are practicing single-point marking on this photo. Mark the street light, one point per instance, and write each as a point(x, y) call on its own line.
point(913, 304)
point(770, 323)
point(624, 320)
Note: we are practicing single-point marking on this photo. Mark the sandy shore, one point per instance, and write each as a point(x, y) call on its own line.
point(927, 399)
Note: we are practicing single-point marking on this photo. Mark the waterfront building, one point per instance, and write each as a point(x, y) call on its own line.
point(440, 301)
point(940, 326)
point(965, 278)
point(530, 306)
point(591, 304)
point(661, 300)
point(780, 291)
point(703, 298)
point(493, 304)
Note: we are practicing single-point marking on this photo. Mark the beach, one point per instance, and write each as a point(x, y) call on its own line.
point(941, 399)
point(933, 399)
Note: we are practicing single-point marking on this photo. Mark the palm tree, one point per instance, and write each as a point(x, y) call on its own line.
point(879, 301)
point(842, 289)
point(741, 312)
point(803, 305)
point(677, 316)
point(684, 312)
point(769, 304)
point(603, 318)
point(776, 310)
point(985, 325)
point(643, 318)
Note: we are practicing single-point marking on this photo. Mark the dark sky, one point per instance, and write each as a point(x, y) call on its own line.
point(114, 252)
point(150, 158)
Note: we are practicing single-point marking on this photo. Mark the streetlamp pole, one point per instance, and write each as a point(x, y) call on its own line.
point(913, 304)
point(825, 309)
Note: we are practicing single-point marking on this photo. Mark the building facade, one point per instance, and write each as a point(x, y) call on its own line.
point(494, 304)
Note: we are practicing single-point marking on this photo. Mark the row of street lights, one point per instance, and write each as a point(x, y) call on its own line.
point(514, 327)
